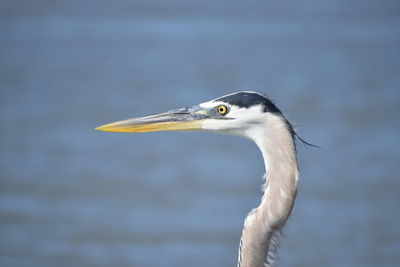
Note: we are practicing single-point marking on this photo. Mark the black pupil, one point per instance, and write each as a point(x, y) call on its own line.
point(221, 109)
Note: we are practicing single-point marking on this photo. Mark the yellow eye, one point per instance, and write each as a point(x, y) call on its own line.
point(222, 109)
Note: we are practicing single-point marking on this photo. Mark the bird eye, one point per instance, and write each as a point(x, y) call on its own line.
point(222, 109)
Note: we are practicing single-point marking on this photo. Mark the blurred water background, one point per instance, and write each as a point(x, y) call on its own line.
point(71, 196)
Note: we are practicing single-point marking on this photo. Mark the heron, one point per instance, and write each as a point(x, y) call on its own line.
point(254, 116)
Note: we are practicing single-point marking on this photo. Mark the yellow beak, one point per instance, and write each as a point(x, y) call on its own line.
point(190, 118)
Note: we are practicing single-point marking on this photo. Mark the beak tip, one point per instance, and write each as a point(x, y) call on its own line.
point(101, 128)
point(111, 127)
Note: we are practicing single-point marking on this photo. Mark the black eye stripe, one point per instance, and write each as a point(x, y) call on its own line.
point(249, 99)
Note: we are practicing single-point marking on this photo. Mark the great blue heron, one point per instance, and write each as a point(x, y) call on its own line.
point(254, 116)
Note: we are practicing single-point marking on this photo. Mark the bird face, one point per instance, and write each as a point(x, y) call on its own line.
point(236, 113)
point(234, 119)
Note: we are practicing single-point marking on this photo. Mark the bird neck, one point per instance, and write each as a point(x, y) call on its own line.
point(262, 226)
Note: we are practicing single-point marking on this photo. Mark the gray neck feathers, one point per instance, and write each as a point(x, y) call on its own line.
point(262, 226)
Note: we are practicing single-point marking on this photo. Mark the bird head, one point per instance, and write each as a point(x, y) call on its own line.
point(242, 113)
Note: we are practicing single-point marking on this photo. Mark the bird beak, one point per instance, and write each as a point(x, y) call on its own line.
point(189, 118)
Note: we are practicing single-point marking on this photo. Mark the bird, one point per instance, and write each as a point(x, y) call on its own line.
point(254, 116)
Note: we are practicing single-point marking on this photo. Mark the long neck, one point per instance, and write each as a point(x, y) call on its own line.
point(262, 226)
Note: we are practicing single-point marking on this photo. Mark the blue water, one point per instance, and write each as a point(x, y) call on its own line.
point(71, 196)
